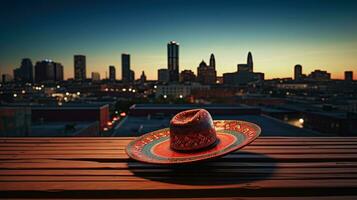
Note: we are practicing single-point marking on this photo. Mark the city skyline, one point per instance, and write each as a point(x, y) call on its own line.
point(315, 34)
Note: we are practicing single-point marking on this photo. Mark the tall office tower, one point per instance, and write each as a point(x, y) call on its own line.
point(27, 70)
point(79, 67)
point(212, 61)
point(173, 61)
point(297, 72)
point(250, 61)
point(112, 76)
point(95, 76)
point(58, 71)
point(348, 75)
point(44, 71)
point(125, 68)
point(163, 75)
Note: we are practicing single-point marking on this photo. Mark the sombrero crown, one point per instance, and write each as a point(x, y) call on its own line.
point(192, 130)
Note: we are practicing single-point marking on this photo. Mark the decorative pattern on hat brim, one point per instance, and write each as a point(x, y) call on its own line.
point(155, 148)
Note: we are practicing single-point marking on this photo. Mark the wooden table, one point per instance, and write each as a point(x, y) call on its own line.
point(269, 168)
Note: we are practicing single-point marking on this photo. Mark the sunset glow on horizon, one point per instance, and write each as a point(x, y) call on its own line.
point(316, 34)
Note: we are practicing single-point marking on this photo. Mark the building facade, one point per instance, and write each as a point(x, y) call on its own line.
point(95, 76)
point(319, 75)
point(125, 68)
point(48, 71)
point(143, 77)
point(163, 75)
point(297, 72)
point(58, 69)
point(348, 75)
point(112, 75)
point(178, 90)
point(187, 76)
point(25, 72)
point(79, 67)
point(173, 61)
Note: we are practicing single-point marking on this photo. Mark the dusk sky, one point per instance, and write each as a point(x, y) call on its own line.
point(318, 34)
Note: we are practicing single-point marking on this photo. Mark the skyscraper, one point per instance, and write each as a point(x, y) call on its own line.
point(27, 70)
point(112, 75)
point(250, 61)
point(173, 61)
point(246, 67)
point(58, 70)
point(44, 71)
point(297, 72)
point(79, 67)
point(125, 67)
point(212, 61)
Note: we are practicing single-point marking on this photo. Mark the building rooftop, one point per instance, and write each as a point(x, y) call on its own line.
point(64, 106)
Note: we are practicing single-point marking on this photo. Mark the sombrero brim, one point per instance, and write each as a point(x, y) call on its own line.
point(155, 148)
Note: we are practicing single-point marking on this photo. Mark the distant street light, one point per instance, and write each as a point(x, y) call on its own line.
point(301, 120)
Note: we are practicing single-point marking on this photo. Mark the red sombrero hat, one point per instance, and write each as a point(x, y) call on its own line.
point(192, 136)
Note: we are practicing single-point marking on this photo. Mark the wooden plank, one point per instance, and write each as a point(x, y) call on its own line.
point(90, 167)
point(61, 151)
point(125, 140)
point(156, 185)
point(237, 156)
point(124, 143)
point(183, 172)
point(225, 179)
point(74, 164)
point(121, 147)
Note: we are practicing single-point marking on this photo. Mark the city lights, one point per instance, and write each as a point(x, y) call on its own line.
point(15, 95)
point(301, 120)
